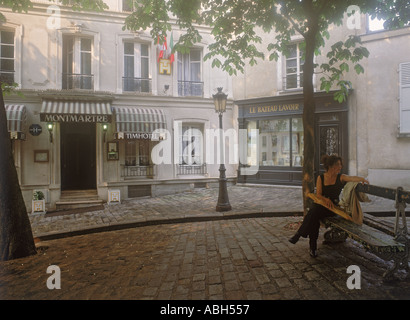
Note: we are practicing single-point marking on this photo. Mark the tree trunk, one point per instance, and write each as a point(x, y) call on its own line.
point(308, 183)
point(16, 237)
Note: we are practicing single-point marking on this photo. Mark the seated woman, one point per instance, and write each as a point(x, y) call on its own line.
point(328, 188)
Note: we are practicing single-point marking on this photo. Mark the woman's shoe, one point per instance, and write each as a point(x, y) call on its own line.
point(313, 247)
point(295, 238)
point(313, 253)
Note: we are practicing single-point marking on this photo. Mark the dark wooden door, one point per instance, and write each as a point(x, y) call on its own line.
point(78, 156)
point(331, 138)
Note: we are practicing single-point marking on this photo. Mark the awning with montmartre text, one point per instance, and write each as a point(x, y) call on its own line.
point(76, 111)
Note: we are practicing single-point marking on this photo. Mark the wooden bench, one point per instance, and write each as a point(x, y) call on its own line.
point(389, 242)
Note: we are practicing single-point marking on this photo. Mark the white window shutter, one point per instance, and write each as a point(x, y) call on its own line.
point(404, 75)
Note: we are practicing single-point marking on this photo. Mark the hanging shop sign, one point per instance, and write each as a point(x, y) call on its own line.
point(154, 136)
point(35, 129)
point(165, 66)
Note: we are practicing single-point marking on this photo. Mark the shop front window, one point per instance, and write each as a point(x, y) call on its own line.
point(297, 142)
point(137, 152)
point(252, 152)
point(281, 142)
point(137, 162)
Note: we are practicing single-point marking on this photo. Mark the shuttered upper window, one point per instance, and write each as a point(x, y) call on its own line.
point(404, 75)
point(7, 56)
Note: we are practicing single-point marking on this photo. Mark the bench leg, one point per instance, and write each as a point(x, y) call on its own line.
point(334, 235)
point(400, 261)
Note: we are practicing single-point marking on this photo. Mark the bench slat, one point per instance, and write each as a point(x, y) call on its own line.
point(386, 193)
point(383, 226)
point(370, 237)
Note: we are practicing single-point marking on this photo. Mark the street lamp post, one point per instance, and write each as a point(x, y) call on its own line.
point(223, 199)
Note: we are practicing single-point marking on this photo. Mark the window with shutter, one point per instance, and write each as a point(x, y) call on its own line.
point(136, 76)
point(77, 63)
point(404, 75)
point(7, 60)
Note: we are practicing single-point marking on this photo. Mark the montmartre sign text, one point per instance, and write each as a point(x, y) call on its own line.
point(75, 118)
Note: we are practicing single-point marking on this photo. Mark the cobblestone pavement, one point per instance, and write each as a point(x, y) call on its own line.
point(198, 204)
point(257, 201)
point(229, 259)
point(218, 258)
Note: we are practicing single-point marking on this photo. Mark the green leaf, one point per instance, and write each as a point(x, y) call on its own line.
point(344, 67)
point(359, 69)
point(216, 63)
point(339, 96)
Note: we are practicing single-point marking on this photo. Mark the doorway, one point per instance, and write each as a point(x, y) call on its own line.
point(78, 156)
point(331, 133)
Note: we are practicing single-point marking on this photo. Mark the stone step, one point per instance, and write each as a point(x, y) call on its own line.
point(71, 199)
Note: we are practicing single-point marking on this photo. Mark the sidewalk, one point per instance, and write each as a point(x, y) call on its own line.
point(164, 259)
point(198, 205)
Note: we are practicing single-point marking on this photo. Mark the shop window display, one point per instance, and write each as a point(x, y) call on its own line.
point(281, 142)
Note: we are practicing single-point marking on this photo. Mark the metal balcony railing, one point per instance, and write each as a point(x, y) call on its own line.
point(7, 77)
point(136, 84)
point(137, 171)
point(78, 81)
point(190, 88)
point(191, 169)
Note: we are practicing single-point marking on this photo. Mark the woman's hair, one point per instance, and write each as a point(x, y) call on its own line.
point(329, 161)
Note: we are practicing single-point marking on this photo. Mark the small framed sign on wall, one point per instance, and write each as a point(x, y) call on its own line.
point(112, 151)
point(40, 155)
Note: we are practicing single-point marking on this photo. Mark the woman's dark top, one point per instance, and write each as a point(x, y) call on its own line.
point(332, 191)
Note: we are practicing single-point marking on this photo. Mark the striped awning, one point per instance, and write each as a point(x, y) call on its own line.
point(16, 121)
point(75, 111)
point(138, 123)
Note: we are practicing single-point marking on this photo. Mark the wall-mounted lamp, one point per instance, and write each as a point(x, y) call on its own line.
point(105, 128)
point(166, 88)
point(50, 130)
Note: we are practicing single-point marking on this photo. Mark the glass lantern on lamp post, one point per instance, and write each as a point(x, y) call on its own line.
point(223, 199)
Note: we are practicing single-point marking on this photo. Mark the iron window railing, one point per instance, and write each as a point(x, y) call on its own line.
point(78, 81)
point(190, 88)
point(136, 84)
point(137, 171)
point(7, 77)
point(192, 169)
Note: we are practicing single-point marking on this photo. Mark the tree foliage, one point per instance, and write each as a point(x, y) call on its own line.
point(237, 25)
point(25, 5)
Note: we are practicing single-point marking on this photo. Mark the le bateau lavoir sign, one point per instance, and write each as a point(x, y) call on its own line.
point(274, 109)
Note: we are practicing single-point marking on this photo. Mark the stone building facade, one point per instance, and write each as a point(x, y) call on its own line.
point(370, 131)
point(101, 111)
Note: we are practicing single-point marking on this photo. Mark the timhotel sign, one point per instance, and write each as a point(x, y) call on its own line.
point(154, 136)
point(75, 118)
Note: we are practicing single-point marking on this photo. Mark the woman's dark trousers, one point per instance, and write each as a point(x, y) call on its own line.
point(311, 224)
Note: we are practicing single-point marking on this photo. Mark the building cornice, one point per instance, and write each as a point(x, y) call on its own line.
point(385, 34)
